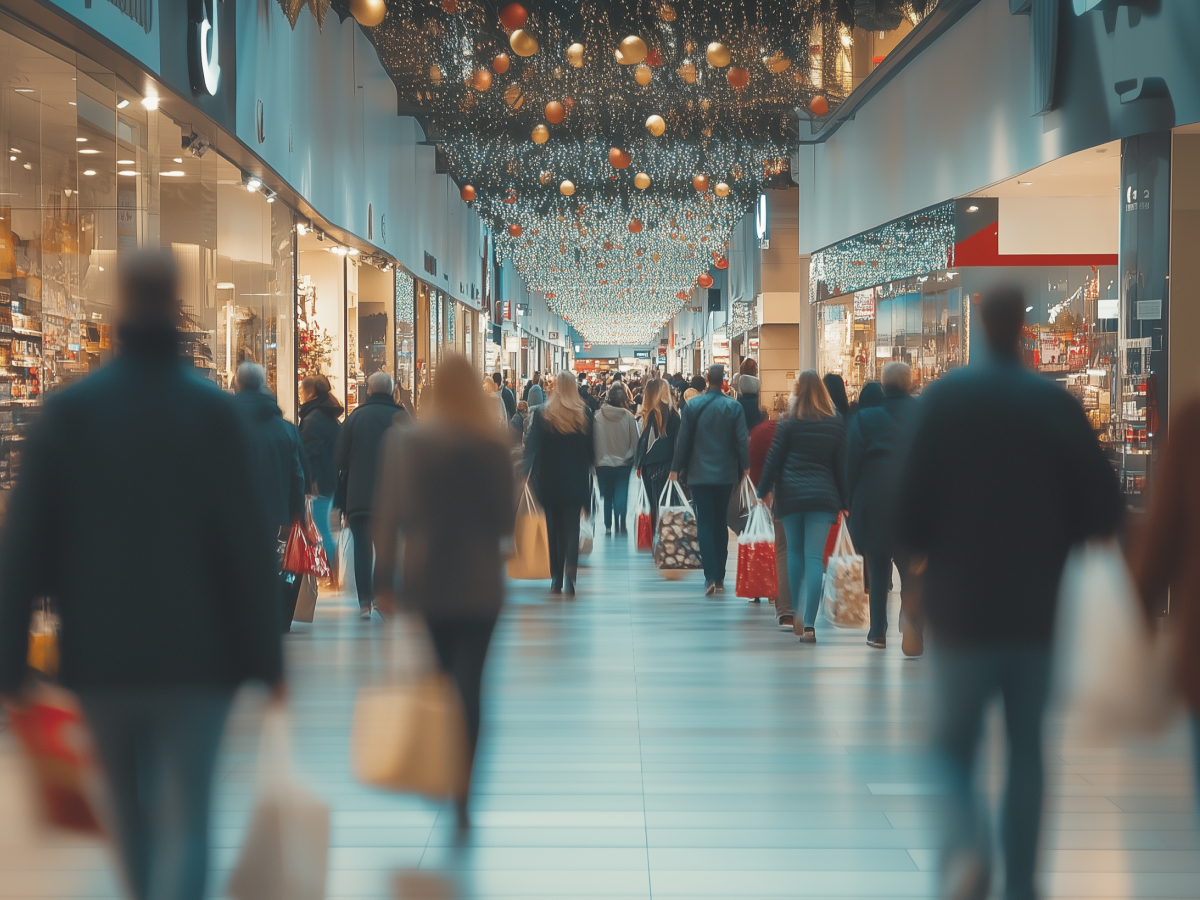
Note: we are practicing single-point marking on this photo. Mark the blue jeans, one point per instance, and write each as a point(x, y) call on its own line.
point(806, 533)
point(965, 680)
point(320, 513)
point(158, 747)
point(614, 488)
point(711, 504)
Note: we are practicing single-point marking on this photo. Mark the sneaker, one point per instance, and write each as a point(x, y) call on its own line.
point(809, 636)
point(787, 622)
point(877, 643)
point(710, 589)
point(364, 613)
point(755, 600)
point(720, 587)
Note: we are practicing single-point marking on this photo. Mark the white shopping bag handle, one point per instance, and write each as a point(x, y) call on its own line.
point(664, 501)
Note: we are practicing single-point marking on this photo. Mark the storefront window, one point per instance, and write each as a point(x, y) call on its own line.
point(320, 312)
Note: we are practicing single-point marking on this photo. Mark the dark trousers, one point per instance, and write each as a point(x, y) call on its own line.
point(289, 594)
point(711, 502)
point(562, 527)
point(783, 599)
point(655, 479)
point(879, 581)
point(158, 747)
point(461, 648)
point(614, 489)
point(965, 680)
point(364, 559)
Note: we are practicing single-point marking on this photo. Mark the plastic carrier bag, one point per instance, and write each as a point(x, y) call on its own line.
point(643, 523)
point(587, 520)
point(847, 604)
point(756, 575)
point(678, 545)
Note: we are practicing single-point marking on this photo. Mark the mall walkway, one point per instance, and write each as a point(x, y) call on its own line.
point(644, 741)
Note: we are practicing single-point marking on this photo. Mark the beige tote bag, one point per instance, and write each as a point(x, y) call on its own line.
point(531, 544)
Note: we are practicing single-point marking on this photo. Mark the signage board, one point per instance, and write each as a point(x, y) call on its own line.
point(641, 354)
point(553, 336)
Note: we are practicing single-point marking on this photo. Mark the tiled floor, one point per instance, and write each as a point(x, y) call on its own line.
point(642, 740)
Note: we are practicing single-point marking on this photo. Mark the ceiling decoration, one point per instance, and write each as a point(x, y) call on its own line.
point(613, 146)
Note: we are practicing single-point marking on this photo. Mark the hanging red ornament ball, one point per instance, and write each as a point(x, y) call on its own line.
point(636, 226)
point(682, 295)
point(514, 16)
point(515, 231)
point(450, 7)
point(555, 112)
point(618, 158)
point(653, 58)
point(501, 63)
point(705, 280)
point(700, 182)
point(819, 106)
point(737, 77)
point(721, 263)
point(467, 193)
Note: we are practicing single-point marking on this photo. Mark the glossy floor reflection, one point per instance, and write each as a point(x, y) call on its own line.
point(643, 741)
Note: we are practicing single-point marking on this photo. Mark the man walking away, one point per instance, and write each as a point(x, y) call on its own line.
point(357, 453)
point(586, 395)
point(136, 511)
point(276, 459)
point(711, 452)
point(1004, 475)
point(506, 394)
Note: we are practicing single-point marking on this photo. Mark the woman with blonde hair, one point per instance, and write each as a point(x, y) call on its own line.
point(804, 478)
point(559, 454)
point(442, 521)
point(656, 446)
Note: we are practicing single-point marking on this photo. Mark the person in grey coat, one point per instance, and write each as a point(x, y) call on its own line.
point(615, 433)
point(711, 453)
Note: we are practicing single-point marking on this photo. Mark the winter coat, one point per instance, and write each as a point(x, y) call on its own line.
point(806, 466)
point(135, 510)
point(319, 430)
point(761, 439)
point(510, 401)
point(449, 493)
point(713, 446)
point(276, 457)
point(615, 433)
point(1003, 476)
point(655, 449)
point(748, 387)
point(559, 464)
point(876, 442)
point(358, 450)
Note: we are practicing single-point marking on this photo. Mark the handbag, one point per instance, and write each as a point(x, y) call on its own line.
point(531, 543)
point(678, 545)
point(847, 604)
point(756, 573)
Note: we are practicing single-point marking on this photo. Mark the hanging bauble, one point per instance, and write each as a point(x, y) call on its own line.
point(618, 158)
point(641, 74)
point(482, 79)
point(368, 13)
point(721, 263)
point(654, 256)
point(523, 43)
point(656, 125)
point(700, 182)
point(567, 188)
point(467, 193)
point(705, 280)
point(776, 62)
point(818, 106)
point(631, 51)
point(682, 295)
point(718, 55)
point(541, 134)
point(513, 96)
point(737, 77)
point(575, 55)
point(514, 230)
point(449, 7)
point(435, 75)
point(514, 16)
point(555, 112)
point(653, 57)
point(636, 226)
point(722, 189)
point(666, 12)
point(545, 176)
point(510, 196)
point(641, 181)
point(687, 72)
point(501, 63)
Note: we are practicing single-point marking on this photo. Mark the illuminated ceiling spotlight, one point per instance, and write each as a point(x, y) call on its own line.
point(251, 182)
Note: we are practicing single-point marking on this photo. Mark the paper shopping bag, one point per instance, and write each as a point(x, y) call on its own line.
point(756, 575)
point(306, 602)
point(847, 604)
point(531, 544)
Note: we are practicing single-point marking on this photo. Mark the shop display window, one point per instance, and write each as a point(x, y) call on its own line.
point(321, 312)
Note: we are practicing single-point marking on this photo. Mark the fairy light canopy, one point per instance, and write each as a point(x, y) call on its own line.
point(612, 146)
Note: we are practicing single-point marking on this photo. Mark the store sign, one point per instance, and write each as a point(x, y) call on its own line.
point(553, 336)
point(204, 48)
point(864, 305)
point(641, 354)
point(512, 344)
point(762, 223)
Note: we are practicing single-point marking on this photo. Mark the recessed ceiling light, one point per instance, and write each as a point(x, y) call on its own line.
point(124, 162)
point(127, 172)
point(72, 103)
point(29, 166)
point(12, 159)
point(972, 209)
point(14, 149)
point(89, 171)
point(90, 151)
point(150, 102)
point(24, 90)
point(81, 140)
point(178, 159)
point(1024, 183)
point(174, 173)
point(121, 104)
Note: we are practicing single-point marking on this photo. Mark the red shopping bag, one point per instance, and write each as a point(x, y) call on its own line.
point(305, 552)
point(645, 528)
point(297, 552)
point(831, 539)
point(57, 743)
point(756, 574)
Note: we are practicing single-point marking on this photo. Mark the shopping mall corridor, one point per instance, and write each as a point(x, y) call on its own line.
point(644, 741)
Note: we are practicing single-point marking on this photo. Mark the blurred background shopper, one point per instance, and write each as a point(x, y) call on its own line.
point(656, 443)
point(276, 458)
point(136, 510)
point(357, 453)
point(559, 453)
point(746, 384)
point(615, 434)
point(837, 394)
point(446, 491)
point(1004, 476)
point(320, 425)
point(805, 477)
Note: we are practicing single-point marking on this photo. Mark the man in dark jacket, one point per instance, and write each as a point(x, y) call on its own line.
point(506, 394)
point(875, 445)
point(357, 453)
point(1004, 475)
point(712, 451)
point(135, 511)
point(320, 427)
point(277, 463)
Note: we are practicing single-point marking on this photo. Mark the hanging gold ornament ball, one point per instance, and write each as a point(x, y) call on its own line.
point(700, 182)
point(618, 158)
point(482, 79)
point(368, 13)
point(641, 181)
point(722, 189)
point(666, 12)
point(575, 55)
point(737, 77)
point(541, 134)
point(819, 106)
point(687, 72)
point(567, 188)
point(555, 112)
point(641, 74)
point(523, 43)
point(776, 62)
point(513, 96)
point(656, 125)
point(435, 75)
point(718, 55)
point(632, 51)
point(545, 177)
point(501, 63)
point(467, 193)
point(514, 230)
point(514, 16)
point(654, 256)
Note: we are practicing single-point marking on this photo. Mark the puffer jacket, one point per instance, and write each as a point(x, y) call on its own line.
point(806, 466)
point(616, 436)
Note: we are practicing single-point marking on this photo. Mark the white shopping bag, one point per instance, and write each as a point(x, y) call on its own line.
point(345, 561)
point(847, 604)
point(587, 519)
point(1112, 671)
point(285, 854)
